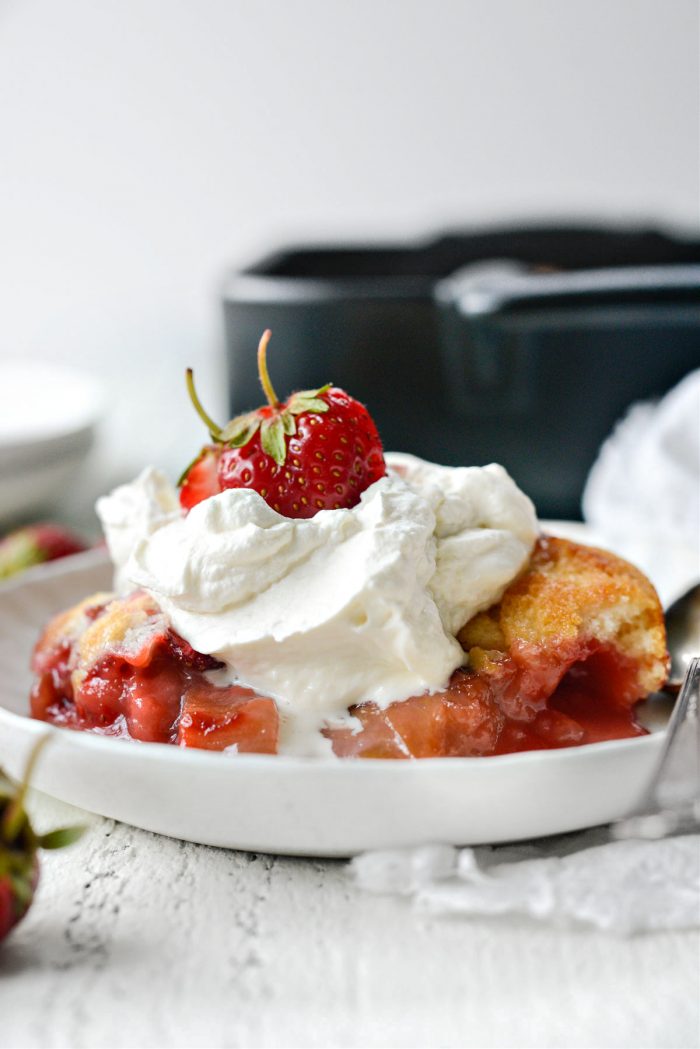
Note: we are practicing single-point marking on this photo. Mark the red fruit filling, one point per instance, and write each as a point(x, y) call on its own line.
point(115, 666)
point(524, 702)
point(156, 692)
point(215, 719)
point(528, 700)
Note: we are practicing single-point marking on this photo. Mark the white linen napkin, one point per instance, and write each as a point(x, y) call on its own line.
point(642, 496)
point(622, 887)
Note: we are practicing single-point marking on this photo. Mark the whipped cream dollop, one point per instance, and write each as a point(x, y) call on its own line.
point(341, 608)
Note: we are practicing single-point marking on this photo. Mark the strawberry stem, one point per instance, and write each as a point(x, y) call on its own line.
point(262, 369)
point(14, 816)
point(214, 430)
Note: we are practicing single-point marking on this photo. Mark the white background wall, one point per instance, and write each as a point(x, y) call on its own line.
point(145, 145)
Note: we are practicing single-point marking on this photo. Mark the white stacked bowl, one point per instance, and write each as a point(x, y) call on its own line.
point(48, 417)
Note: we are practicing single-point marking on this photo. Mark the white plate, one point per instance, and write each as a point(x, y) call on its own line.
point(293, 805)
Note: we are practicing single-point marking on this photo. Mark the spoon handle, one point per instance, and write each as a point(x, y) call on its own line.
point(671, 802)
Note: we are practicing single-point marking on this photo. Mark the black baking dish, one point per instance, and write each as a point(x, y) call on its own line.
point(516, 346)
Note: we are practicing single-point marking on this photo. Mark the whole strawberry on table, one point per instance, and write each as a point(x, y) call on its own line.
point(318, 450)
point(35, 544)
point(19, 847)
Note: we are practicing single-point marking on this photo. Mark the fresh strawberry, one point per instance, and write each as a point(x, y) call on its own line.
point(319, 450)
point(35, 544)
point(201, 478)
point(19, 845)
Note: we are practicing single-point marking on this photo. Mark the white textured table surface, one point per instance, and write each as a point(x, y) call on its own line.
point(136, 940)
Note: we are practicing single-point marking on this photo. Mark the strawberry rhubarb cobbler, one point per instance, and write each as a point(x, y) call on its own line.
point(303, 593)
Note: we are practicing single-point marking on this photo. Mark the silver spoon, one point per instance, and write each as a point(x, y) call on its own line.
point(683, 634)
point(671, 801)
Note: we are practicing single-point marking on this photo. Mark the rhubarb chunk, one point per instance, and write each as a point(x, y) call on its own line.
point(218, 718)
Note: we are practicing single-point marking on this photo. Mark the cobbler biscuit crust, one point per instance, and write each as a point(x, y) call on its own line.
point(579, 593)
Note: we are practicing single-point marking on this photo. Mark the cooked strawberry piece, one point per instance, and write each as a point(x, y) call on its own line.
point(548, 730)
point(42, 697)
point(185, 654)
point(152, 701)
point(99, 696)
point(462, 720)
point(201, 478)
point(474, 720)
point(45, 697)
point(216, 718)
point(414, 728)
point(51, 665)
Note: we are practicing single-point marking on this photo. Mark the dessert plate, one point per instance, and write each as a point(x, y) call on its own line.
point(297, 806)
